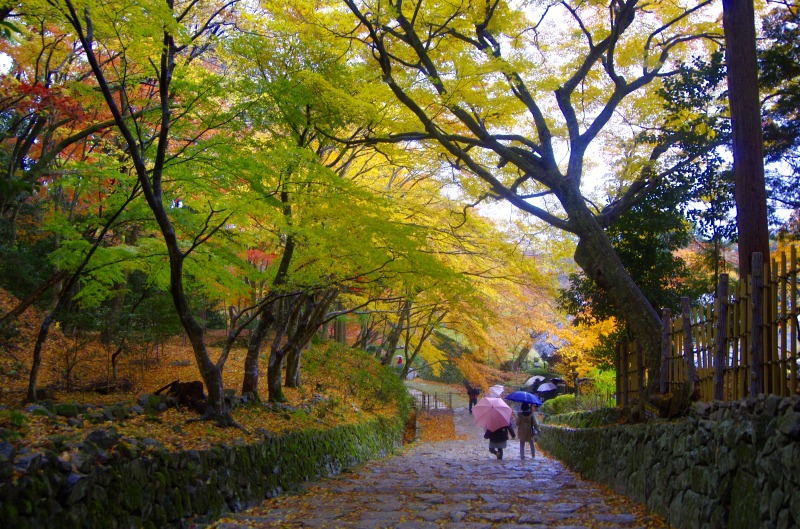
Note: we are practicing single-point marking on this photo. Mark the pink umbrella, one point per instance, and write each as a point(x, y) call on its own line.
point(492, 413)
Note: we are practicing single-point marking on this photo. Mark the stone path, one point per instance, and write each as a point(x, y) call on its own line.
point(452, 484)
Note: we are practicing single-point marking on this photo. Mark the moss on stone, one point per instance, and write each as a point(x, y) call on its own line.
point(745, 495)
point(162, 488)
point(68, 409)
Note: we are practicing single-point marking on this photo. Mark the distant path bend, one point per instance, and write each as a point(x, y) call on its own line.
point(452, 484)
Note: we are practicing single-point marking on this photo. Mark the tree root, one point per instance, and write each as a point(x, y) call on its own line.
point(222, 420)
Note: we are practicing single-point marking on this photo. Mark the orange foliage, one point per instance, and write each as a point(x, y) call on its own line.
point(149, 370)
point(484, 376)
point(437, 426)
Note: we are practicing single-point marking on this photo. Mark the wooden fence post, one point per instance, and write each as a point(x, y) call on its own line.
point(640, 377)
point(772, 346)
point(794, 326)
point(688, 348)
point(782, 327)
point(666, 348)
point(756, 330)
point(618, 369)
point(721, 345)
point(624, 356)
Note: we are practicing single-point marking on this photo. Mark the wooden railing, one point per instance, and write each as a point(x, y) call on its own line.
point(744, 344)
point(435, 401)
point(630, 379)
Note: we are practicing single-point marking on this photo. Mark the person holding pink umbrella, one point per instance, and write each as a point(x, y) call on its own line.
point(495, 416)
point(498, 439)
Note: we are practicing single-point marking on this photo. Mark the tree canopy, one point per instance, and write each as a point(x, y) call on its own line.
point(276, 169)
point(216, 153)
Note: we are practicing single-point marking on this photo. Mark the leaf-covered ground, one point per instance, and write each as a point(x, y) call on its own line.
point(336, 389)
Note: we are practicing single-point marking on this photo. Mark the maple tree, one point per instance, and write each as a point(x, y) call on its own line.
point(254, 190)
point(505, 89)
point(61, 181)
point(423, 290)
point(118, 52)
point(298, 106)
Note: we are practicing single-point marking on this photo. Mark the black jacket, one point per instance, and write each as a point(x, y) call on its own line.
point(500, 435)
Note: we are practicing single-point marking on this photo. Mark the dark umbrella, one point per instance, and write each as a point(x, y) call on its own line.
point(534, 379)
point(524, 396)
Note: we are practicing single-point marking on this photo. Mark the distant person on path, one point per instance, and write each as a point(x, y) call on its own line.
point(498, 439)
point(528, 427)
point(472, 395)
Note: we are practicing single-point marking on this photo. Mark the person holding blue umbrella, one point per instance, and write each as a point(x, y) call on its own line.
point(525, 397)
point(527, 427)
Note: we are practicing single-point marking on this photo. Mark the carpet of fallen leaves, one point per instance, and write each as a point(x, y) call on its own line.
point(71, 368)
point(435, 425)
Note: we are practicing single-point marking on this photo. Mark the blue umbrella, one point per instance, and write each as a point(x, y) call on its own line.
point(524, 396)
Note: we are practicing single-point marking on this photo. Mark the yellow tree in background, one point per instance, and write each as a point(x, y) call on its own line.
point(577, 342)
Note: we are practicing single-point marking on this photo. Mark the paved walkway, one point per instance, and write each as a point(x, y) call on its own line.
point(452, 484)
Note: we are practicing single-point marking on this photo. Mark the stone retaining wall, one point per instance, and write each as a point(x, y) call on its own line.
point(727, 465)
point(142, 488)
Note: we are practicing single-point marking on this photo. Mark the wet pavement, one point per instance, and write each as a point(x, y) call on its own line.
point(450, 484)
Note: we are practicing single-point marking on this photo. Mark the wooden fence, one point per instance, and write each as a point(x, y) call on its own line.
point(428, 401)
point(746, 343)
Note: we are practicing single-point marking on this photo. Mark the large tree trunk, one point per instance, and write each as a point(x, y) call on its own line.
point(450, 117)
point(254, 343)
point(292, 378)
point(151, 175)
point(596, 256)
point(390, 343)
point(274, 371)
point(308, 320)
point(211, 373)
point(748, 155)
point(284, 311)
point(516, 365)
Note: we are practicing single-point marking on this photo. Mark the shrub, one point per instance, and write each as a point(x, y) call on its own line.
point(560, 404)
point(13, 425)
point(588, 419)
point(542, 371)
point(362, 378)
point(603, 381)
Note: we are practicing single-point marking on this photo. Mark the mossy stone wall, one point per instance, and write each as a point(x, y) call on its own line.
point(161, 489)
point(727, 465)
